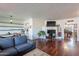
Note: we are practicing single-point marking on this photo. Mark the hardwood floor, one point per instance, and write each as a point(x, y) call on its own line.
point(58, 47)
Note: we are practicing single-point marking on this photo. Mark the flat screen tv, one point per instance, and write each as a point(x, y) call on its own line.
point(51, 23)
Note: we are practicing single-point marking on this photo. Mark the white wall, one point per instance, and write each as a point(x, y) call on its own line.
point(38, 25)
point(28, 25)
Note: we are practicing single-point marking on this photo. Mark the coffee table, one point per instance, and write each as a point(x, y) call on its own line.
point(36, 52)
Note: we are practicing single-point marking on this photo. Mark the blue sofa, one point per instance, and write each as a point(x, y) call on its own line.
point(15, 45)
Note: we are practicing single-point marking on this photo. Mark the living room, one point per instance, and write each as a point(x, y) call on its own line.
point(39, 29)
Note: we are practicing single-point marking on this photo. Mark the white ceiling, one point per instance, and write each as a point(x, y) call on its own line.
point(22, 11)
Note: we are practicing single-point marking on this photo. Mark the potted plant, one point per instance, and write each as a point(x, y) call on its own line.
point(42, 34)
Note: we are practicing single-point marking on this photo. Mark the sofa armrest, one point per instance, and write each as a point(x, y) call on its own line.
point(33, 42)
point(0, 50)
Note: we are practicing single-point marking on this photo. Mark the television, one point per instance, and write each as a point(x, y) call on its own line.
point(51, 23)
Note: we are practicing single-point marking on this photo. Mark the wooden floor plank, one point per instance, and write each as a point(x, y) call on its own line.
point(57, 48)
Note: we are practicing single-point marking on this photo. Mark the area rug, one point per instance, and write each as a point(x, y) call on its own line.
point(36, 52)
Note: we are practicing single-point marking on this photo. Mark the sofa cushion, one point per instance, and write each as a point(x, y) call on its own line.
point(20, 40)
point(0, 50)
point(7, 52)
point(6, 42)
point(23, 47)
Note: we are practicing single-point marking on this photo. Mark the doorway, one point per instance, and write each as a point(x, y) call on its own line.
point(70, 31)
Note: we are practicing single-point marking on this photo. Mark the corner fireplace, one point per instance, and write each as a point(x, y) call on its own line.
point(51, 33)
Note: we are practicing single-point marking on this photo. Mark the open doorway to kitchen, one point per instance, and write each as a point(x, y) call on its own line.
point(70, 33)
